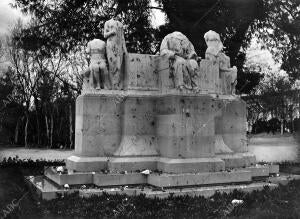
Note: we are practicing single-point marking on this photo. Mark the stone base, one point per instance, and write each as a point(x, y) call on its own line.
point(86, 164)
point(118, 164)
point(190, 179)
point(232, 160)
point(205, 191)
point(237, 160)
point(114, 164)
point(166, 165)
point(259, 171)
point(45, 189)
point(161, 180)
point(129, 164)
point(71, 179)
point(190, 165)
point(119, 179)
point(193, 191)
point(249, 158)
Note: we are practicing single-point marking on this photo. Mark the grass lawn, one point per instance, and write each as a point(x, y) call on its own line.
point(16, 201)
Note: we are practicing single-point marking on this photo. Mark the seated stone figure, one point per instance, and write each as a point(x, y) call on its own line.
point(183, 59)
point(97, 72)
point(229, 74)
point(115, 49)
point(215, 54)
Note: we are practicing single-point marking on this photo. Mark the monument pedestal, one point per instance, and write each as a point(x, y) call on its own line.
point(183, 137)
point(168, 132)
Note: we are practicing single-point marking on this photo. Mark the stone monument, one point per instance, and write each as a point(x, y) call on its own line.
point(215, 54)
point(172, 114)
point(183, 58)
point(116, 50)
point(97, 71)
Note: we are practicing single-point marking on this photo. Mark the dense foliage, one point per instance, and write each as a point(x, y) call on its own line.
point(280, 32)
point(67, 24)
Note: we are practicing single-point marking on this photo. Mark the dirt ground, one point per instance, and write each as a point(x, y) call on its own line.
point(275, 148)
point(266, 147)
point(34, 153)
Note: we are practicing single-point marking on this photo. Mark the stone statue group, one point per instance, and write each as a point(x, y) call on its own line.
point(99, 74)
point(106, 68)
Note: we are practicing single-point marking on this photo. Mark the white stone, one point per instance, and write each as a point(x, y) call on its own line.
point(96, 50)
point(115, 49)
point(215, 54)
point(183, 57)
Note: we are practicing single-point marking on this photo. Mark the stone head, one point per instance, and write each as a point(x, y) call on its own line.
point(213, 41)
point(113, 25)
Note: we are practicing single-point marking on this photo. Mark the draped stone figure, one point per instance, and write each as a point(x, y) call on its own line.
point(182, 57)
point(115, 50)
point(97, 72)
point(215, 54)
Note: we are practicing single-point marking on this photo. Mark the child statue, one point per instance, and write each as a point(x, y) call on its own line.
point(97, 71)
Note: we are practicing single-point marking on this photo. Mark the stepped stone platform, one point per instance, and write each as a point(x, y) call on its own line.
point(160, 185)
point(162, 179)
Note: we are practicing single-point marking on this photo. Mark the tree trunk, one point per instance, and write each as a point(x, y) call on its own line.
point(51, 130)
point(281, 127)
point(16, 139)
point(26, 129)
point(38, 128)
point(71, 125)
point(47, 130)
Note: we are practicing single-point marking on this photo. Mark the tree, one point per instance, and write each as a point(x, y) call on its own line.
point(37, 78)
point(10, 110)
point(280, 33)
point(275, 98)
point(66, 24)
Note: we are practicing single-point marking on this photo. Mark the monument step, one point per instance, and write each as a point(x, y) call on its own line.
point(161, 180)
point(162, 184)
point(190, 165)
point(191, 191)
point(118, 164)
point(237, 160)
point(232, 160)
point(71, 179)
point(114, 179)
point(47, 190)
point(86, 164)
point(191, 179)
point(208, 191)
point(259, 170)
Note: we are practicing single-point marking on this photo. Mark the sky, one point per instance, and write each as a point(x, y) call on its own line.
point(158, 18)
point(8, 16)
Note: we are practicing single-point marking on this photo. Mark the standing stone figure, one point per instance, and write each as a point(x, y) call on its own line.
point(115, 49)
point(183, 59)
point(215, 54)
point(97, 71)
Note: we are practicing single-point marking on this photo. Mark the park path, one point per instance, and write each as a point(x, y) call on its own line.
point(270, 148)
point(34, 153)
point(275, 148)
